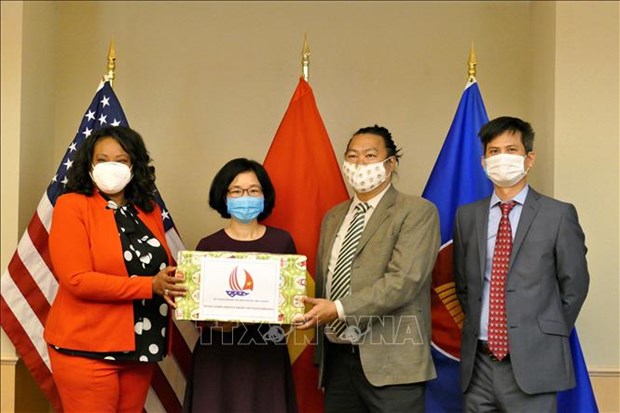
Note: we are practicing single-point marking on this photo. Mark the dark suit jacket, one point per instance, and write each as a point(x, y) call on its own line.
point(547, 284)
point(390, 286)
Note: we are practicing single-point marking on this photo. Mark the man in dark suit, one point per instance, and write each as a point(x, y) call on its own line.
point(374, 263)
point(521, 277)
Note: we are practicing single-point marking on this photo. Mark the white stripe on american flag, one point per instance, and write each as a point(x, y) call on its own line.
point(153, 405)
point(44, 210)
point(25, 315)
point(174, 242)
point(189, 332)
point(187, 329)
point(175, 376)
point(37, 268)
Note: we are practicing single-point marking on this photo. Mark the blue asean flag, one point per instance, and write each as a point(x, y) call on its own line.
point(580, 399)
point(457, 178)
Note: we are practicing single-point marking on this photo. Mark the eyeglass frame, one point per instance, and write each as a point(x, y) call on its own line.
point(245, 191)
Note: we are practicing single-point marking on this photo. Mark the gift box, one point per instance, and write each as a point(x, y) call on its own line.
point(241, 287)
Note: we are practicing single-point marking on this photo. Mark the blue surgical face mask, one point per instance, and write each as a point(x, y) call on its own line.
point(245, 208)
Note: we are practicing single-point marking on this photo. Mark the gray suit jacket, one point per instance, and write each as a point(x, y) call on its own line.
point(547, 284)
point(390, 287)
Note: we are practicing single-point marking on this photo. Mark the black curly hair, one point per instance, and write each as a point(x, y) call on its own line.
point(140, 191)
point(392, 150)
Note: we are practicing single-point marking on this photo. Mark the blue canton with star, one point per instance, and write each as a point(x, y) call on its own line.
point(105, 110)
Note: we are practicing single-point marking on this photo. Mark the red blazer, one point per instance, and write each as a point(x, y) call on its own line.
point(93, 309)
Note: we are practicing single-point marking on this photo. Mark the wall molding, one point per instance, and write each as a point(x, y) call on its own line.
point(604, 372)
point(8, 360)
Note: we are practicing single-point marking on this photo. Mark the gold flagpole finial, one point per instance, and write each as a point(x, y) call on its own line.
point(111, 64)
point(305, 59)
point(471, 72)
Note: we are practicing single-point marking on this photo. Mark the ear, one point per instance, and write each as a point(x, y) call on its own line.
point(391, 165)
point(530, 160)
point(483, 163)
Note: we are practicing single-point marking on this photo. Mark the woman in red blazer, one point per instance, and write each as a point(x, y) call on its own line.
point(108, 325)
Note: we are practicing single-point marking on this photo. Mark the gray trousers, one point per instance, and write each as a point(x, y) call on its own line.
point(493, 388)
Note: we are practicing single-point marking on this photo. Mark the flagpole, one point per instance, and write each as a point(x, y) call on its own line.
point(305, 59)
point(109, 77)
point(471, 71)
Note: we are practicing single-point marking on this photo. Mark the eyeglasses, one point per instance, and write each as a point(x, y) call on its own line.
point(237, 192)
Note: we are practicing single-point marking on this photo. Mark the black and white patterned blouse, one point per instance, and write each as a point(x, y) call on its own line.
point(144, 256)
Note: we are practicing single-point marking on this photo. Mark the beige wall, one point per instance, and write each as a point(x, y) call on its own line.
point(206, 82)
point(541, 102)
point(587, 149)
point(38, 103)
point(582, 109)
point(574, 107)
point(199, 104)
point(11, 77)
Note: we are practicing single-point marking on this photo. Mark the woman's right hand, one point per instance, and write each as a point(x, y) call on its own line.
point(167, 285)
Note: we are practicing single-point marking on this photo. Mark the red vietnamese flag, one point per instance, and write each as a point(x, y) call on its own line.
point(306, 176)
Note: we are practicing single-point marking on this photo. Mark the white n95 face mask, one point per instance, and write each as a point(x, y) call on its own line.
point(111, 177)
point(365, 178)
point(505, 169)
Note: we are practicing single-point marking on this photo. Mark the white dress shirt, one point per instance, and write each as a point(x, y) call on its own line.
point(495, 214)
point(342, 231)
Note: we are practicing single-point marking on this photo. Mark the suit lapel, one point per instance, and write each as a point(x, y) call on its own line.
point(530, 208)
point(381, 213)
point(482, 229)
point(331, 229)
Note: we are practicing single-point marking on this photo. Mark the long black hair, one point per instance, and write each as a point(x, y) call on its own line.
point(140, 191)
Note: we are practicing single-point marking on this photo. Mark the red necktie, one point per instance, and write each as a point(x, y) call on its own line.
point(498, 329)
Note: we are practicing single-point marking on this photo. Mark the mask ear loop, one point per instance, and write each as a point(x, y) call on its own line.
point(528, 169)
point(393, 169)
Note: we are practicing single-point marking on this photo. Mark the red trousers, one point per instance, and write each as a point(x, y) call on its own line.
point(89, 385)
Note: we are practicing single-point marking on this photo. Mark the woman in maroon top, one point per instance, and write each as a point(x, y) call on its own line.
point(241, 368)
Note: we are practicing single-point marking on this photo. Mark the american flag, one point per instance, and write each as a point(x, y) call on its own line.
point(29, 285)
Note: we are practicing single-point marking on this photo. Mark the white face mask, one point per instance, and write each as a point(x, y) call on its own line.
point(111, 177)
point(365, 178)
point(505, 170)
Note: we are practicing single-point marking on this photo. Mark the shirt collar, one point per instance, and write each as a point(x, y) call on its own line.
point(373, 202)
point(519, 198)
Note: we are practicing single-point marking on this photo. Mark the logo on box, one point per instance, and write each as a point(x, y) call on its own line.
point(235, 286)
